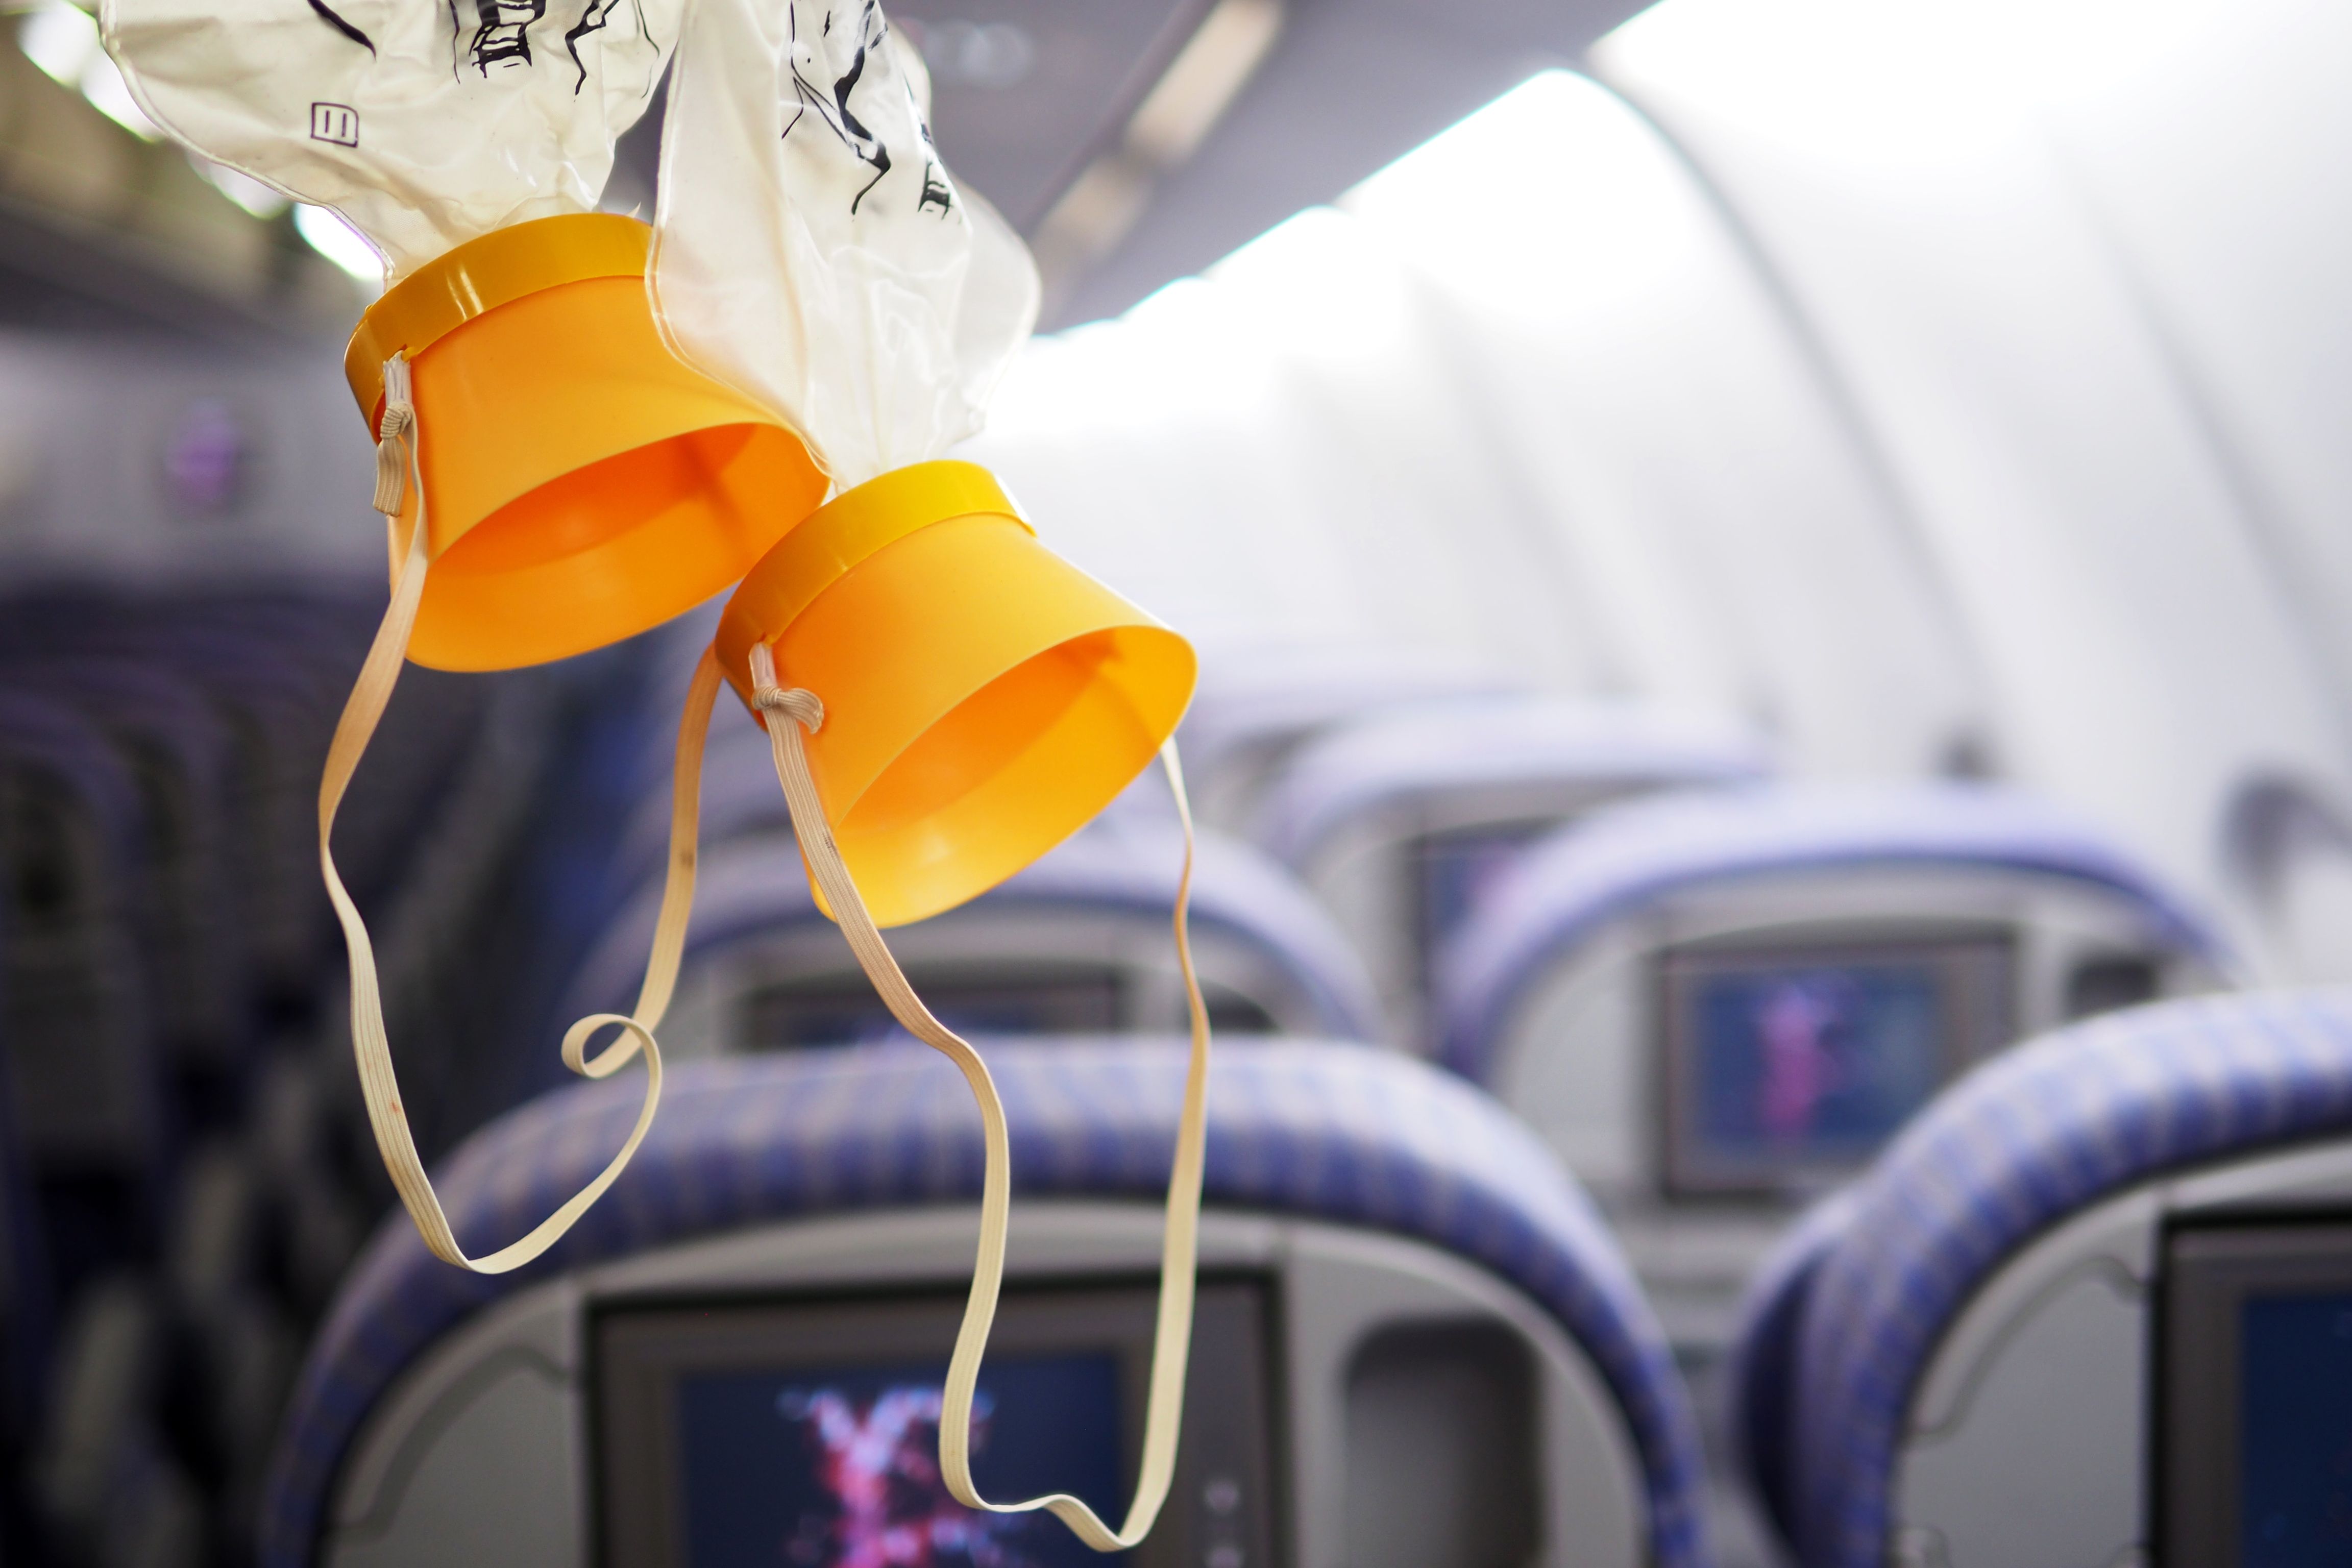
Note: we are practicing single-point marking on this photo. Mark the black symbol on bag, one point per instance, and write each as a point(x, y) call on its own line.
point(937, 192)
point(334, 19)
point(594, 19)
point(503, 37)
point(833, 107)
point(336, 122)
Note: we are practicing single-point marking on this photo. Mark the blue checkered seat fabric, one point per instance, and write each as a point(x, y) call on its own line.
point(181, 758)
point(1760, 1383)
point(1116, 868)
point(27, 1302)
point(88, 1075)
point(1313, 1129)
point(1572, 887)
point(2021, 1145)
point(1252, 708)
point(1398, 759)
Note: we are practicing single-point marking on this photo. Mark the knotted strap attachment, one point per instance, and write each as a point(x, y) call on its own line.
point(399, 481)
point(791, 712)
point(396, 441)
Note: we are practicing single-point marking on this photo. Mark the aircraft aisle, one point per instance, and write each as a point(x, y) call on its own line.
point(1769, 840)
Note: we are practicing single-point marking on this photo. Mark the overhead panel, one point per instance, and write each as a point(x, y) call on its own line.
point(1347, 86)
point(1024, 92)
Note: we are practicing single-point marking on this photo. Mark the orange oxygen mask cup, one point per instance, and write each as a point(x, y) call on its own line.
point(581, 483)
point(946, 700)
point(983, 698)
point(555, 480)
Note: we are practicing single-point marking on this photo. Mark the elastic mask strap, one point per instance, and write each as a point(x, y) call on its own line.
point(788, 713)
point(400, 477)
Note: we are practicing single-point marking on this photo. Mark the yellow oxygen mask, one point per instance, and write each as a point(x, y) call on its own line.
point(946, 700)
point(579, 484)
point(984, 698)
point(584, 426)
point(553, 478)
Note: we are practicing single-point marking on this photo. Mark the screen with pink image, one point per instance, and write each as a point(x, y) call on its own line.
point(1785, 1066)
point(839, 1467)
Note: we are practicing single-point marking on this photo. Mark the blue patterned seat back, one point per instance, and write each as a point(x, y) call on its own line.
point(86, 1065)
point(1627, 858)
point(27, 1302)
point(1760, 1391)
point(1254, 709)
point(181, 755)
point(1483, 743)
point(1327, 1132)
point(2026, 1141)
point(1123, 868)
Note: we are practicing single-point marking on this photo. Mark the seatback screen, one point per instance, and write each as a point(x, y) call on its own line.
point(1005, 999)
point(806, 1434)
point(2295, 1449)
point(1786, 1066)
point(841, 1464)
point(2255, 1384)
point(1456, 869)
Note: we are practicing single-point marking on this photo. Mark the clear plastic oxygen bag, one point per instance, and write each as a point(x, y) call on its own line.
point(945, 698)
point(812, 248)
point(553, 478)
point(424, 124)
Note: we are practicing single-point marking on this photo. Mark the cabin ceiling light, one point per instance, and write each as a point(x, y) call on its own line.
point(242, 189)
point(326, 232)
point(1166, 128)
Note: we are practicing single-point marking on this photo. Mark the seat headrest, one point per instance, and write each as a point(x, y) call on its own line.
point(1568, 887)
point(2032, 1137)
point(1313, 1130)
point(1395, 758)
point(1129, 867)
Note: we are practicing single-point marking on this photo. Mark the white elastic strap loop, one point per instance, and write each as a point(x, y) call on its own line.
point(370, 1045)
point(787, 713)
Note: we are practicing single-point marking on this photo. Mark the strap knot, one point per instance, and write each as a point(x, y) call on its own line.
point(798, 704)
point(395, 439)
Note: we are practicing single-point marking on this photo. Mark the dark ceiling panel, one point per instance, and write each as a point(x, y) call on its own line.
point(1025, 91)
point(1350, 86)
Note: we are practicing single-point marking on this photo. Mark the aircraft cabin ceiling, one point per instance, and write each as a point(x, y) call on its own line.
point(1132, 141)
point(1946, 392)
point(1135, 141)
point(1772, 600)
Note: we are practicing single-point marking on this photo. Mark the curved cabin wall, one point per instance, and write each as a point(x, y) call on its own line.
point(1906, 176)
point(1948, 392)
